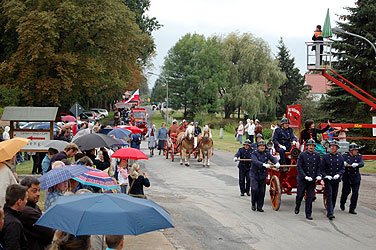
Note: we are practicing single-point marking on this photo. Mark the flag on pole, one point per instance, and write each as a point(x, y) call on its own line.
point(327, 29)
point(134, 97)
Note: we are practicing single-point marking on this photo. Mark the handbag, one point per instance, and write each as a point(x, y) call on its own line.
point(141, 196)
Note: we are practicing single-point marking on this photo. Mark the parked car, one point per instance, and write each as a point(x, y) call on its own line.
point(91, 115)
point(103, 112)
point(41, 125)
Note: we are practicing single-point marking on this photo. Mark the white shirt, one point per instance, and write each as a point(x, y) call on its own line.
point(251, 129)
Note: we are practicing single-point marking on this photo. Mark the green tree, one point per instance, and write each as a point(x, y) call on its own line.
point(254, 77)
point(356, 62)
point(158, 93)
point(293, 88)
point(70, 51)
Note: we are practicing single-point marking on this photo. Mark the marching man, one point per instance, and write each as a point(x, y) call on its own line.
point(332, 169)
point(244, 167)
point(308, 171)
point(260, 164)
point(284, 139)
point(351, 177)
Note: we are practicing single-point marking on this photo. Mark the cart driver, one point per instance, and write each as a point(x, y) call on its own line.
point(284, 139)
point(244, 167)
point(332, 169)
point(351, 177)
point(196, 133)
point(308, 171)
point(258, 172)
point(173, 128)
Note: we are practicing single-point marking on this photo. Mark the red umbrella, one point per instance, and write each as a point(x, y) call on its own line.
point(133, 129)
point(68, 118)
point(129, 153)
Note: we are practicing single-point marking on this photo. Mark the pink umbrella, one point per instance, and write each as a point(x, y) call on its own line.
point(129, 153)
point(68, 118)
point(97, 178)
point(133, 129)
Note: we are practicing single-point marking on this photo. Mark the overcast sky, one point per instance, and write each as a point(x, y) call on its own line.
point(293, 20)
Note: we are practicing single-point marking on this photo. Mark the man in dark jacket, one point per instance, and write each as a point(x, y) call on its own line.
point(101, 165)
point(308, 171)
point(69, 151)
point(260, 164)
point(38, 237)
point(12, 235)
point(351, 178)
point(332, 169)
point(284, 139)
point(244, 153)
point(259, 137)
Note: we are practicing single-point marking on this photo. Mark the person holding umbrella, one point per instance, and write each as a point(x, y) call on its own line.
point(101, 165)
point(69, 151)
point(54, 192)
point(66, 241)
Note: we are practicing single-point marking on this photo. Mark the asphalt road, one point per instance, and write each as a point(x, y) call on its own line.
point(208, 212)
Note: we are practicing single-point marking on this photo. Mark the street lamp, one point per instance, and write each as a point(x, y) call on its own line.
point(151, 73)
point(339, 30)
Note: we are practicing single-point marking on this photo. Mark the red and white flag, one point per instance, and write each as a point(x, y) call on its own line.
point(134, 97)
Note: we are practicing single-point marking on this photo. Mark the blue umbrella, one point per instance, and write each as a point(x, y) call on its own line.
point(120, 132)
point(58, 175)
point(105, 214)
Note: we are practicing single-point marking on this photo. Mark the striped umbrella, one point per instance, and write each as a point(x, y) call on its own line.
point(97, 178)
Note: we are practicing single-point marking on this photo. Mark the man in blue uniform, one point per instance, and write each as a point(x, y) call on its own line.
point(244, 167)
point(308, 171)
point(284, 139)
point(332, 169)
point(351, 178)
point(260, 159)
point(254, 145)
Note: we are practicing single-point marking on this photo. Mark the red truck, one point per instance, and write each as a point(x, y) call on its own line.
point(139, 118)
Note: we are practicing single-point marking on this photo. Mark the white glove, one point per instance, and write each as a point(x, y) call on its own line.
point(328, 177)
point(277, 165)
point(235, 159)
point(318, 178)
point(336, 177)
point(293, 143)
point(266, 165)
point(308, 178)
point(345, 163)
point(283, 147)
point(354, 165)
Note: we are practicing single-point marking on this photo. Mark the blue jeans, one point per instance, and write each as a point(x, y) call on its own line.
point(123, 189)
point(240, 137)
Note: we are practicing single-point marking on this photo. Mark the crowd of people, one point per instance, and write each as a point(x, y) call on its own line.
point(314, 164)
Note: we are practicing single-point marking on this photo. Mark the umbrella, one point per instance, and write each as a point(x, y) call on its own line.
point(58, 175)
point(94, 140)
point(129, 153)
point(56, 144)
point(327, 29)
point(10, 147)
point(133, 129)
point(105, 214)
point(82, 132)
point(105, 131)
point(97, 178)
point(68, 118)
point(120, 132)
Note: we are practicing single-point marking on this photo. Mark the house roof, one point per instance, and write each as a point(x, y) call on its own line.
point(29, 114)
point(319, 84)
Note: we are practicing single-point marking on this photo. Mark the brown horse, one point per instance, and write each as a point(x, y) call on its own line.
point(186, 144)
point(205, 145)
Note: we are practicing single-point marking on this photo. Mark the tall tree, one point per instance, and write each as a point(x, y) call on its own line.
point(356, 62)
point(293, 88)
point(70, 51)
point(254, 77)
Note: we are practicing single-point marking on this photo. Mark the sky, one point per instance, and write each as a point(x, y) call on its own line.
point(293, 20)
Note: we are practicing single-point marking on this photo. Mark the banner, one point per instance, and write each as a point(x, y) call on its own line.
point(294, 113)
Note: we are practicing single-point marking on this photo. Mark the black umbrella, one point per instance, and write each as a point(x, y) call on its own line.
point(94, 140)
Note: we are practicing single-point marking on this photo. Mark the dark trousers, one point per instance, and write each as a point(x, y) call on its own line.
point(282, 154)
point(244, 180)
point(347, 188)
point(304, 186)
point(246, 136)
point(258, 192)
point(37, 162)
point(331, 192)
point(251, 137)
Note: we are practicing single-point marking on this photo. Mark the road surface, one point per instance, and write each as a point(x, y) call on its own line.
point(209, 213)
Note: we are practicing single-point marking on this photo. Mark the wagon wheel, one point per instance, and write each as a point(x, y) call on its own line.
point(172, 152)
point(275, 192)
point(324, 200)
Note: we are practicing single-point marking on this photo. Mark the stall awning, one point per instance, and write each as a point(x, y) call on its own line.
point(29, 114)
